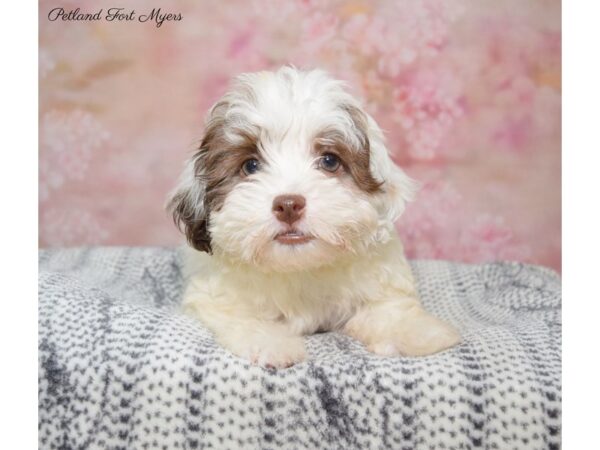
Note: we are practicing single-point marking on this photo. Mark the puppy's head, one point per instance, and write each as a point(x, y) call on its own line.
point(291, 174)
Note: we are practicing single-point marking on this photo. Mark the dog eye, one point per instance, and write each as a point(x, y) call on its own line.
point(250, 166)
point(329, 162)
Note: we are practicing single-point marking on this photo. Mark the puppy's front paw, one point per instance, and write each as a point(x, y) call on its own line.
point(419, 336)
point(275, 352)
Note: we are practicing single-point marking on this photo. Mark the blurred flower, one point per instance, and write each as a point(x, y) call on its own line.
point(427, 103)
point(71, 228)
point(439, 225)
point(67, 140)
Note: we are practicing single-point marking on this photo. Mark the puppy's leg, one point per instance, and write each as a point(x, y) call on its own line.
point(266, 343)
point(400, 326)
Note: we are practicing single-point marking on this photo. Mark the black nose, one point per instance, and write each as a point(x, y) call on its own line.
point(289, 208)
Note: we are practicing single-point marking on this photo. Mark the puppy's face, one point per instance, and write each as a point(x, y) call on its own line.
point(291, 175)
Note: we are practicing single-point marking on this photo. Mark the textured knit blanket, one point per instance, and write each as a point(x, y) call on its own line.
point(120, 367)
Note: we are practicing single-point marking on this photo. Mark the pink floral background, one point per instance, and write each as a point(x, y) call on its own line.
point(468, 91)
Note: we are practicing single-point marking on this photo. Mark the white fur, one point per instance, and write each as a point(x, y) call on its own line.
point(259, 296)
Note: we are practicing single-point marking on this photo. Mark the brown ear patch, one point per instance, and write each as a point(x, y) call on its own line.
point(219, 162)
point(355, 156)
point(217, 165)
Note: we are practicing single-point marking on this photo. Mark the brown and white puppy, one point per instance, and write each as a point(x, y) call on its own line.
point(292, 195)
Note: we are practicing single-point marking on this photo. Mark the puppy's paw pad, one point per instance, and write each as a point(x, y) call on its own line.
point(279, 357)
point(277, 353)
point(429, 337)
point(420, 336)
point(385, 348)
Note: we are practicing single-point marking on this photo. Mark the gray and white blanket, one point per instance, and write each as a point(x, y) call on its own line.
point(121, 368)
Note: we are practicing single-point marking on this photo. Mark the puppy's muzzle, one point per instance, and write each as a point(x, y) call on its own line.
point(289, 208)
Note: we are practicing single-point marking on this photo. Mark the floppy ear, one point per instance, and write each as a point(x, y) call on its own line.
point(189, 202)
point(398, 188)
point(187, 205)
point(386, 180)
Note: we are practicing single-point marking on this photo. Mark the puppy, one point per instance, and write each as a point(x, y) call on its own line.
point(289, 205)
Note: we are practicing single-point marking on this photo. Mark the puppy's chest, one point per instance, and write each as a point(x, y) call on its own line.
point(312, 309)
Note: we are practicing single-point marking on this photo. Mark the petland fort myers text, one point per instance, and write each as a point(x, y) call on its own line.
point(156, 16)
